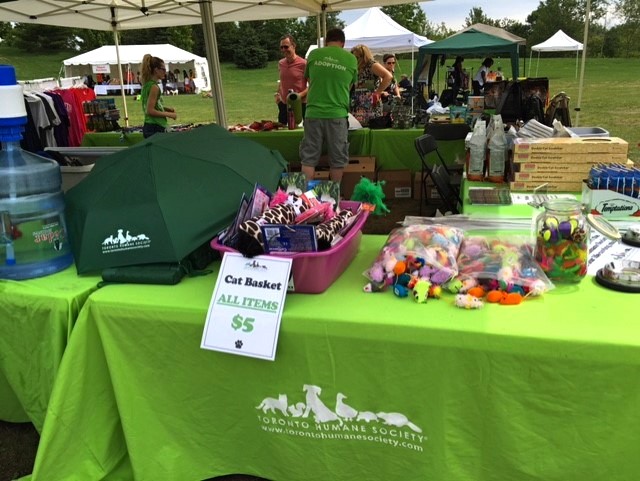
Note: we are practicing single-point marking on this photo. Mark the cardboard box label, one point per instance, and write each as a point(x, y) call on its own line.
point(402, 193)
point(551, 176)
point(549, 186)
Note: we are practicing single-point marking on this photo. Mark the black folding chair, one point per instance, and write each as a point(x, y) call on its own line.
point(446, 132)
point(425, 145)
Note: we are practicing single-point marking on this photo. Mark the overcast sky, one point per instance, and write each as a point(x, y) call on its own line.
point(453, 12)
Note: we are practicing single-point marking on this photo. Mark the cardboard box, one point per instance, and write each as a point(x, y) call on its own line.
point(609, 203)
point(356, 164)
point(358, 167)
point(551, 167)
point(475, 104)
point(549, 186)
point(432, 196)
point(571, 145)
point(542, 177)
point(398, 184)
point(72, 174)
point(561, 157)
point(349, 180)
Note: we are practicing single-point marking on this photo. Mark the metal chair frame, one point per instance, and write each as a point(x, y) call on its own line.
point(425, 145)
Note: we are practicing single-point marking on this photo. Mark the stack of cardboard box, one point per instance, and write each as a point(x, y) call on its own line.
point(562, 163)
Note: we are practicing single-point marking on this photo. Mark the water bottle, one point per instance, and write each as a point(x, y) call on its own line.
point(33, 236)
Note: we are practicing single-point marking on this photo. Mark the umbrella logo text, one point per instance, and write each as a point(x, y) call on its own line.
point(124, 241)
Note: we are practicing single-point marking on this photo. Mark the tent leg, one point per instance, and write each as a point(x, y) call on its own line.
point(211, 45)
point(124, 98)
point(584, 58)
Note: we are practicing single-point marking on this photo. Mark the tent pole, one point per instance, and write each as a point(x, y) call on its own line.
point(114, 24)
point(584, 58)
point(538, 63)
point(412, 80)
point(576, 63)
point(211, 45)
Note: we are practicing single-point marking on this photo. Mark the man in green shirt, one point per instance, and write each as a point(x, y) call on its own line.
point(330, 71)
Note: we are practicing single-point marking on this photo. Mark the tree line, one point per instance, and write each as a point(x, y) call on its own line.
point(614, 31)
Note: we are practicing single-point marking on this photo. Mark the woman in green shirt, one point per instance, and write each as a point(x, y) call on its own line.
point(155, 113)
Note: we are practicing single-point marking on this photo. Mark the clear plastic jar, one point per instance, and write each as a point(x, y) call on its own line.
point(562, 235)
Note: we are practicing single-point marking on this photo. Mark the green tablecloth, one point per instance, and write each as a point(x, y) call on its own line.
point(547, 390)
point(36, 318)
point(393, 148)
point(287, 142)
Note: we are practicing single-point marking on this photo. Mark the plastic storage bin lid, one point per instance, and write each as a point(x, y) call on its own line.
point(589, 131)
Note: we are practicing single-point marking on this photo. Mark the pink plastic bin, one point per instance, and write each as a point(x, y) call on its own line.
point(314, 272)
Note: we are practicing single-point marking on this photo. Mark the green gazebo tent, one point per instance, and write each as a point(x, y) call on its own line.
point(478, 39)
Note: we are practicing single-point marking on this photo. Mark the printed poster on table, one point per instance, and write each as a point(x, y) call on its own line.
point(246, 306)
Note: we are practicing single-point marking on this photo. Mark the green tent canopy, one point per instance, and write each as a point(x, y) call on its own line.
point(474, 40)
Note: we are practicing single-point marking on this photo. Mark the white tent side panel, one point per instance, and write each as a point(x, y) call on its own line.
point(131, 58)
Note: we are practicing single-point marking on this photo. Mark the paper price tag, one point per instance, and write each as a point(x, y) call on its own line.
point(246, 307)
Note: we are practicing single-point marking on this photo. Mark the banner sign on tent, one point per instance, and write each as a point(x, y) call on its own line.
point(103, 68)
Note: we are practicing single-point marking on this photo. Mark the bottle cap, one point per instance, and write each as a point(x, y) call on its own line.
point(13, 115)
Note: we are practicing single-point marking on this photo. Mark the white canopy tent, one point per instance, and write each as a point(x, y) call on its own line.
point(382, 34)
point(115, 15)
point(558, 42)
point(131, 59)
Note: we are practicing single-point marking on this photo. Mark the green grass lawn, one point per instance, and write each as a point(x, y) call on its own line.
point(608, 100)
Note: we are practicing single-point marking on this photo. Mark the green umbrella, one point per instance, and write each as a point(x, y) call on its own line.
point(164, 197)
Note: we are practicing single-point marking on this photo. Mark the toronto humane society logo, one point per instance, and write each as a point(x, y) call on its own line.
point(313, 418)
point(124, 242)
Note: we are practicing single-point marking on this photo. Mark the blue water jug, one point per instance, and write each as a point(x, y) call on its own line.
point(33, 236)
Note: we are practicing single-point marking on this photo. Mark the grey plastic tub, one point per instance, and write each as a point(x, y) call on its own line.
point(589, 131)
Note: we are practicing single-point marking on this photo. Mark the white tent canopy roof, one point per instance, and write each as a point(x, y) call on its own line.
point(558, 42)
point(382, 34)
point(132, 54)
point(136, 14)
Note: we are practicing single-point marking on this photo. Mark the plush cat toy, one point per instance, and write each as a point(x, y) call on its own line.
point(250, 242)
point(326, 232)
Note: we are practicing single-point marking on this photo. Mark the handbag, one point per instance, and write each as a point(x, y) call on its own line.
point(381, 122)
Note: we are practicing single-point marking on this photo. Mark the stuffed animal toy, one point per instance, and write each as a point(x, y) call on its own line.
point(326, 232)
point(250, 242)
point(371, 193)
point(467, 301)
